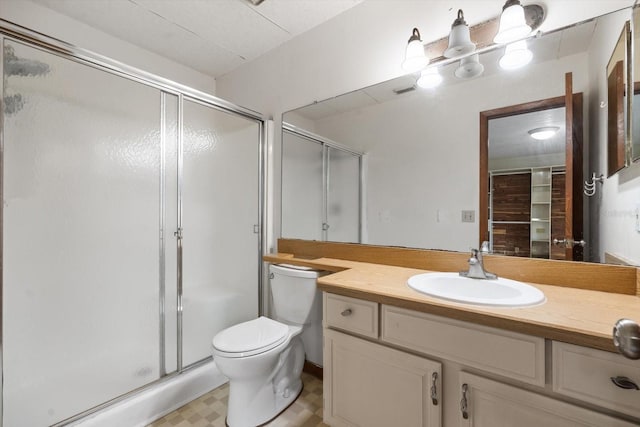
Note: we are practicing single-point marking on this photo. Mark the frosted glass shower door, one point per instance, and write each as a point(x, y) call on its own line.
point(302, 187)
point(220, 210)
point(343, 196)
point(81, 182)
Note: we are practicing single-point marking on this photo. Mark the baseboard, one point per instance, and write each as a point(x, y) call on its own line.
point(312, 369)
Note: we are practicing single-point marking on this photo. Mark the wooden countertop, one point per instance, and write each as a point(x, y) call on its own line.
point(576, 316)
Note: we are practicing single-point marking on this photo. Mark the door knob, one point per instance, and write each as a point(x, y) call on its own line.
point(626, 338)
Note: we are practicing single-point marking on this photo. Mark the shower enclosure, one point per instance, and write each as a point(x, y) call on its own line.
point(131, 228)
point(321, 188)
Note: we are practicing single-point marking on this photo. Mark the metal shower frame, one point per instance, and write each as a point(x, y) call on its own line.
point(16, 33)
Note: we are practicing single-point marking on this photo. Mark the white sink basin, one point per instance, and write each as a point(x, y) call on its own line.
point(498, 292)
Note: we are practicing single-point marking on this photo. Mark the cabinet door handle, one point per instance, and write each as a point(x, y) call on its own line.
point(463, 403)
point(625, 383)
point(434, 388)
point(346, 312)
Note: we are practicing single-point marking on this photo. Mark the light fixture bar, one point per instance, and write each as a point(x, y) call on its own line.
point(482, 34)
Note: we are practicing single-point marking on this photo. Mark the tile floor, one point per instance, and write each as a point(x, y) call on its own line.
point(210, 409)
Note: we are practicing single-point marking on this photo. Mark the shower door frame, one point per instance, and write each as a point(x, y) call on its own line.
point(16, 33)
point(326, 143)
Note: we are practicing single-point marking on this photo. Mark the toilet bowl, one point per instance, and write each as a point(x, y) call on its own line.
point(263, 358)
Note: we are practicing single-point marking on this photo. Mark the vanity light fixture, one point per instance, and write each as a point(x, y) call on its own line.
point(543, 133)
point(415, 58)
point(469, 68)
point(516, 55)
point(459, 38)
point(513, 25)
point(429, 78)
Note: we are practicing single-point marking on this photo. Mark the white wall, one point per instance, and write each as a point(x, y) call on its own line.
point(53, 24)
point(362, 47)
point(433, 146)
point(617, 200)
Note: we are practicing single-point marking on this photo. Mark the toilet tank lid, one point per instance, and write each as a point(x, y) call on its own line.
point(295, 270)
point(253, 335)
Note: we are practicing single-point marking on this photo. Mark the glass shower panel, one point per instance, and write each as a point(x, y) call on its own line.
point(302, 184)
point(81, 182)
point(220, 207)
point(343, 196)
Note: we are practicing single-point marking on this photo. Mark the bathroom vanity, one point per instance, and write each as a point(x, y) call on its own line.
point(393, 356)
point(386, 365)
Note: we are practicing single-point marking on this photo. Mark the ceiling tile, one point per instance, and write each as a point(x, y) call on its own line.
point(211, 36)
point(230, 24)
point(298, 16)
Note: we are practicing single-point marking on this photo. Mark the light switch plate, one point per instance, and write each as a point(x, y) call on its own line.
point(468, 216)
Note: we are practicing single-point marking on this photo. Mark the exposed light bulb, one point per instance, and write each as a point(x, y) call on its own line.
point(415, 58)
point(516, 55)
point(469, 68)
point(429, 78)
point(459, 38)
point(513, 25)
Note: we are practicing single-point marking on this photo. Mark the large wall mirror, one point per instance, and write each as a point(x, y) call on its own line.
point(422, 152)
point(618, 103)
point(635, 132)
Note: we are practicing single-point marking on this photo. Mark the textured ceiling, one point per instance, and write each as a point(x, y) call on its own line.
point(211, 36)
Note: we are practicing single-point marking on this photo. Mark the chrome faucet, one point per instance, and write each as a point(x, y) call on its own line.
point(476, 267)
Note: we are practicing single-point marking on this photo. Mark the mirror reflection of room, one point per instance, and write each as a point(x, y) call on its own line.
point(421, 159)
point(527, 184)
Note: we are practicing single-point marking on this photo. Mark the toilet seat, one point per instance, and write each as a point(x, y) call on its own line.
point(250, 338)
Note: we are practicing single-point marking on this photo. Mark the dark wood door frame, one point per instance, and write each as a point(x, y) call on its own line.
point(485, 116)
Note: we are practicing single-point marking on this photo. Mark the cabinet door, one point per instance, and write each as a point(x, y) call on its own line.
point(368, 385)
point(490, 403)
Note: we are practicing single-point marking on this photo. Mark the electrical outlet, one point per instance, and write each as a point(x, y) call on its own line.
point(468, 216)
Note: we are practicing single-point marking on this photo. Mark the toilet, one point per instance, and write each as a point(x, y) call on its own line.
point(263, 358)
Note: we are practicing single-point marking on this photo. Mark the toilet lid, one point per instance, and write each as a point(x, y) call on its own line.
point(252, 337)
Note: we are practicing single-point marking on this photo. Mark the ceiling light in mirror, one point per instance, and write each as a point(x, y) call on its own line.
point(469, 68)
point(415, 58)
point(429, 78)
point(459, 38)
point(544, 132)
point(516, 55)
point(513, 24)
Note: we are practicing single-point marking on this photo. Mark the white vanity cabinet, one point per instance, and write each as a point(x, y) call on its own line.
point(591, 375)
point(492, 403)
point(389, 366)
point(367, 384)
point(376, 386)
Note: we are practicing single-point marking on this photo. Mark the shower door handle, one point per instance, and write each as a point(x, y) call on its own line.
point(178, 233)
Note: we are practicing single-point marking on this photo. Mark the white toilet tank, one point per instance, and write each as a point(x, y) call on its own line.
point(294, 292)
point(297, 301)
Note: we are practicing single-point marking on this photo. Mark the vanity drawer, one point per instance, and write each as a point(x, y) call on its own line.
point(585, 374)
point(517, 356)
point(351, 314)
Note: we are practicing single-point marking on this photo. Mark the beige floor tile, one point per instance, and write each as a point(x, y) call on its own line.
point(210, 410)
